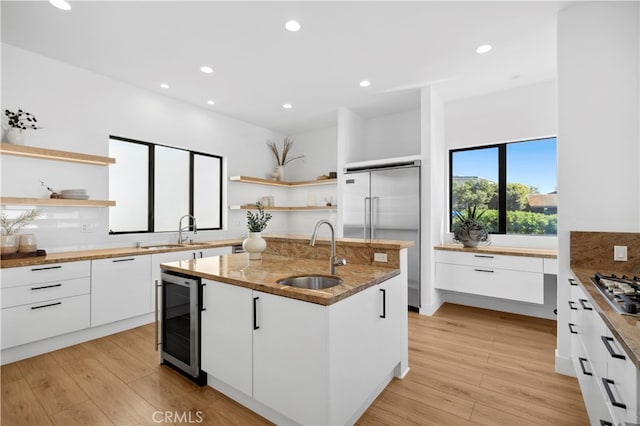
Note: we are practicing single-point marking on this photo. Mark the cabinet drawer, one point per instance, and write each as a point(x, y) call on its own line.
point(516, 263)
point(506, 284)
point(624, 374)
point(34, 293)
point(28, 323)
point(12, 277)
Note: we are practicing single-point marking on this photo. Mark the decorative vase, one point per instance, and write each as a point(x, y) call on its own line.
point(254, 245)
point(9, 244)
point(16, 136)
point(27, 243)
point(280, 172)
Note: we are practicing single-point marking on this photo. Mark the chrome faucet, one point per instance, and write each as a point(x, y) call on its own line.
point(333, 260)
point(181, 228)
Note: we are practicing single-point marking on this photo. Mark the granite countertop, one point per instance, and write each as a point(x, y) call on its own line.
point(625, 328)
point(262, 275)
point(351, 242)
point(73, 256)
point(509, 251)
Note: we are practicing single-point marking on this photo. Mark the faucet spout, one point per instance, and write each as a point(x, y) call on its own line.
point(181, 228)
point(333, 261)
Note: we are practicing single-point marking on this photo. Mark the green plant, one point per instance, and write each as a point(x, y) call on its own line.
point(11, 226)
point(21, 119)
point(287, 144)
point(258, 222)
point(468, 226)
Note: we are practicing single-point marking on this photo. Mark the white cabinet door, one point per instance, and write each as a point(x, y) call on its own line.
point(389, 323)
point(217, 251)
point(227, 329)
point(290, 357)
point(120, 288)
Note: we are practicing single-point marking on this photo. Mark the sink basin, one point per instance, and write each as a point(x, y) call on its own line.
point(312, 282)
point(161, 246)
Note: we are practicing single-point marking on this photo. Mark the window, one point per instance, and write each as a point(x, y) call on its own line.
point(515, 182)
point(155, 185)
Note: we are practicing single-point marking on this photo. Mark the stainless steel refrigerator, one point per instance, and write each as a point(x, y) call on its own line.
point(383, 203)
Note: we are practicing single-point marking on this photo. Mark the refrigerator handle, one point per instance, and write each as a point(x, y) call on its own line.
point(374, 210)
point(364, 222)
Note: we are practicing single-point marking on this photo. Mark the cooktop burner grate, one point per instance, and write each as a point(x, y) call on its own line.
point(622, 293)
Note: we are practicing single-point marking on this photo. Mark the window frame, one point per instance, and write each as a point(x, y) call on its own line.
point(151, 186)
point(502, 180)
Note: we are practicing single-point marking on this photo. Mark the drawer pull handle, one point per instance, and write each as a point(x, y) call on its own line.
point(384, 303)
point(483, 270)
point(571, 328)
point(582, 303)
point(584, 370)
point(605, 423)
point(46, 306)
point(572, 305)
point(46, 286)
point(123, 260)
point(44, 268)
point(613, 354)
point(573, 282)
point(255, 313)
point(486, 256)
point(606, 382)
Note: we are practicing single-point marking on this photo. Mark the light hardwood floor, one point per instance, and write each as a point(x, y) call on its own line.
point(468, 367)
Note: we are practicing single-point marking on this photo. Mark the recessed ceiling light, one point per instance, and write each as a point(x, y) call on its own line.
point(365, 83)
point(292, 25)
point(210, 102)
point(484, 48)
point(164, 85)
point(206, 69)
point(60, 4)
point(287, 106)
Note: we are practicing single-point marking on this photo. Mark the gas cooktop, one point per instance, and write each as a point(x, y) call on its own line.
point(622, 293)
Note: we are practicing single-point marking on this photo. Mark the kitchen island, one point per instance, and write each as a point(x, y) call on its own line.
point(301, 356)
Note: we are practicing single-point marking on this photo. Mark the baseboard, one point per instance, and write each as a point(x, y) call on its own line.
point(429, 310)
point(564, 365)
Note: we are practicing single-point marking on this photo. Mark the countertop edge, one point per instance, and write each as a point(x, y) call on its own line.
point(509, 251)
point(107, 253)
point(612, 319)
point(352, 242)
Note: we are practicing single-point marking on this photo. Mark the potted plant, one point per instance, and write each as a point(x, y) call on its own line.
point(468, 229)
point(10, 226)
point(18, 123)
point(255, 244)
point(284, 159)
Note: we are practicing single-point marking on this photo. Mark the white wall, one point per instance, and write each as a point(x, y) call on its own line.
point(393, 135)
point(78, 110)
point(527, 112)
point(598, 131)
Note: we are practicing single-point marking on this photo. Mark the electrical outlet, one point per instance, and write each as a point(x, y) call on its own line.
point(620, 253)
point(380, 257)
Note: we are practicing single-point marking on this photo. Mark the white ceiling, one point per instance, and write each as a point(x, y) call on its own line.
point(259, 66)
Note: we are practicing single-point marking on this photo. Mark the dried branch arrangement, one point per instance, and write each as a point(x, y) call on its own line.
point(11, 226)
point(287, 144)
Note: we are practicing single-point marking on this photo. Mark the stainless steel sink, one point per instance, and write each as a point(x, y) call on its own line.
point(312, 282)
point(161, 246)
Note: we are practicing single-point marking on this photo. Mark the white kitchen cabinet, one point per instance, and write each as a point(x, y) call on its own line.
point(609, 381)
point(313, 364)
point(227, 334)
point(518, 278)
point(43, 301)
point(290, 359)
point(120, 288)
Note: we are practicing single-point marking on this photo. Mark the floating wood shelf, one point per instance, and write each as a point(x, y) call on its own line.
point(54, 154)
point(56, 202)
point(260, 181)
point(281, 208)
